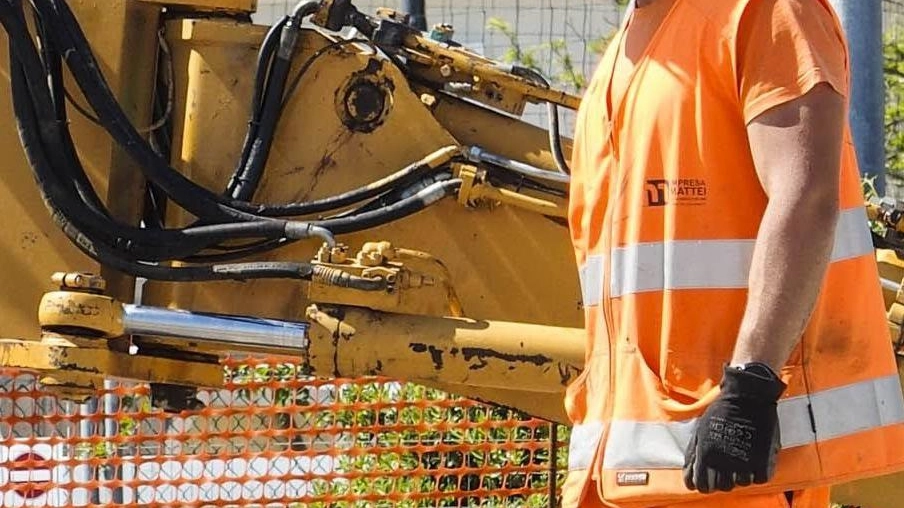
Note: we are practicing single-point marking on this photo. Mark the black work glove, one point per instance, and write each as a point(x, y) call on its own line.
point(736, 440)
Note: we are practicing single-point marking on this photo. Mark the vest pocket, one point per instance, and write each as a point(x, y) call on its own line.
point(586, 397)
point(653, 397)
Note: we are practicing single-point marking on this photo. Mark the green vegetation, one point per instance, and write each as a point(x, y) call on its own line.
point(894, 109)
point(400, 444)
point(564, 72)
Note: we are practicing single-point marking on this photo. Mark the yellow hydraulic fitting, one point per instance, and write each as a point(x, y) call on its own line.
point(76, 281)
point(470, 176)
point(375, 253)
point(80, 306)
point(337, 254)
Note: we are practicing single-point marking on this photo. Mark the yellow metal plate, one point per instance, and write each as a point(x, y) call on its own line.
point(215, 5)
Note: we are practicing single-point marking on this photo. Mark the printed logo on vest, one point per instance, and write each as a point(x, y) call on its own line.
point(681, 191)
point(632, 478)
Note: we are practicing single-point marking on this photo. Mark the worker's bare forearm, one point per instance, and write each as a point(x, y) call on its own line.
point(792, 253)
point(796, 149)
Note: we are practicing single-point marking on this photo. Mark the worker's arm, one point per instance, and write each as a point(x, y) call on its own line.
point(796, 148)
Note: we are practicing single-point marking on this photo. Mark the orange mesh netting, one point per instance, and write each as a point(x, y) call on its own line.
point(272, 437)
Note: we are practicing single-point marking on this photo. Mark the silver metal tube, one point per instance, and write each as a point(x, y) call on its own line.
point(215, 327)
point(477, 154)
point(891, 285)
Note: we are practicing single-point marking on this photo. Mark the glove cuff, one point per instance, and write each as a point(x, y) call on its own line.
point(758, 382)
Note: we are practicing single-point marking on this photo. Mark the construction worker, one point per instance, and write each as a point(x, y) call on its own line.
point(737, 352)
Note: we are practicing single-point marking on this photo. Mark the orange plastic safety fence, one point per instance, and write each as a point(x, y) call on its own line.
point(273, 437)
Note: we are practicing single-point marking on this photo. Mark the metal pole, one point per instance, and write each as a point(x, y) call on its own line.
point(418, 16)
point(862, 21)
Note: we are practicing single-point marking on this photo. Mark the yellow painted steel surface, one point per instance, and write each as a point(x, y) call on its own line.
point(458, 354)
point(214, 5)
point(123, 37)
point(506, 264)
point(79, 368)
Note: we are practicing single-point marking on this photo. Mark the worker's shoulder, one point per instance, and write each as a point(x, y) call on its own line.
point(719, 11)
point(729, 13)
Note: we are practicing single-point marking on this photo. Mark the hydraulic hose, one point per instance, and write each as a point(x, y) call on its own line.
point(86, 71)
point(403, 208)
point(189, 239)
point(400, 179)
point(39, 102)
point(108, 256)
point(264, 61)
point(190, 196)
point(195, 199)
point(555, 140)
point(336, 277)
point(53, 67)
point(396, 194)
point(248, 179)
point(184, 241)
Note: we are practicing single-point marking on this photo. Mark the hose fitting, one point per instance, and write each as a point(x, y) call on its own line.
point(336, 277)
point(302, 230)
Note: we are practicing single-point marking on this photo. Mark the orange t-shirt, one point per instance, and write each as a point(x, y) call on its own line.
point(785, 47)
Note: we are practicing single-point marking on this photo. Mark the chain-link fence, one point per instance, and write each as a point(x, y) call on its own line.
point(548, 28)
point(893, 28)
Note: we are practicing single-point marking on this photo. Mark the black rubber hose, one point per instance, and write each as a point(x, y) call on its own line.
point(398, 210)
point(72, 42)
point(53, 67)
point(176, 242)
point(80, 58)
point(403, 177)
point(237, 254)
point(394, 195)
point(555, 140)
point(399, 207)
point(340, 278)
point(25, 57)
point(303, 9)
point(371, 219)
point(108, 256)
point(248, 179)
point(201, 202)
point(36, 114)
point(264, 58)
point(264, 65)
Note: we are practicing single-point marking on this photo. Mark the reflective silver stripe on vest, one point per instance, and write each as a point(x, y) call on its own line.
point(660, 445)
point(588, 435)
point(702, 264)
point(680, 265)
point(592, 280)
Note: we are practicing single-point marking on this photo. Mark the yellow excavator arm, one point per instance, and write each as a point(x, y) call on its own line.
point(339, 189)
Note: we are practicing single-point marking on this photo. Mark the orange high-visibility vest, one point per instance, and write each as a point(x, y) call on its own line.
point(665, 207)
